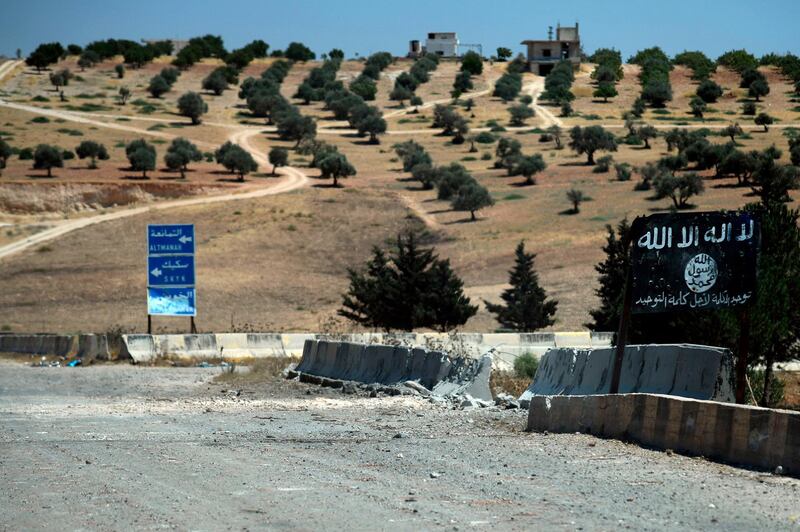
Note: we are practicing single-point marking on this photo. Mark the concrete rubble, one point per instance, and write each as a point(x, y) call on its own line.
point(391, 369)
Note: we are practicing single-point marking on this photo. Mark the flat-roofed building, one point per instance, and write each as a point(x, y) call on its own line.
point(444, 44)
point(543, 55)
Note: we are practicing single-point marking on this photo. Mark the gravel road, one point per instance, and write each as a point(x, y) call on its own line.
point(117, 447)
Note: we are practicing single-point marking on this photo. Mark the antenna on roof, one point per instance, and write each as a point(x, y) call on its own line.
point(549, 33)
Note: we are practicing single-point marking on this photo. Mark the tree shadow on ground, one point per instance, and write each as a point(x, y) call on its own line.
point(467, 220)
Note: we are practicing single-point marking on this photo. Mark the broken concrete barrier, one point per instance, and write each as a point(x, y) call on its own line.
point(686, 370)
point(739, 434)
point(84, 346)
point(396, 365)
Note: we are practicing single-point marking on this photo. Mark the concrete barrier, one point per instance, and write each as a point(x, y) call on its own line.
point(505, 347)
point(391, 365)
point(84, 346)
point(739, 434)
point(694, 371)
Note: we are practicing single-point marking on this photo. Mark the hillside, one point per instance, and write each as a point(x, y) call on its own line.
point(279, 262)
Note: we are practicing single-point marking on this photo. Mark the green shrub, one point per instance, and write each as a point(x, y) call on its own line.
point(486, 156)
point(26, 154)
point(88, 107)
point(485, 137)
point(603, 164)
point(623, 171)
point(40, 98)
point(757, 384)
point(525, 366)
point(40, 120)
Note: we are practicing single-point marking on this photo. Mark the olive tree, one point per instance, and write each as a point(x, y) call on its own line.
point(335, 165)
point(180, 153)
point(191, 105)
point(278, 157)
point(588, 140)
point(142, 156)
point(763, 119)
point(158, 86)
point(93, 151)
point(47, 157)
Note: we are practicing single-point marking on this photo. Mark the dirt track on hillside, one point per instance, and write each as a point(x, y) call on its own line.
point(292, 180)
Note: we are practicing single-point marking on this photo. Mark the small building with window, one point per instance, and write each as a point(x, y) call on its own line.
point(543, 55)
point(442, 44)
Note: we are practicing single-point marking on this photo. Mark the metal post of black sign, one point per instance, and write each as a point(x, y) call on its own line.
point(622, 331)
point(741, 359)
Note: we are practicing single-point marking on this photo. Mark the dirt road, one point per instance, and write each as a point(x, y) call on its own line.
point(546, 116)
point(120, 447)
point(8, 67)
point(292, 179)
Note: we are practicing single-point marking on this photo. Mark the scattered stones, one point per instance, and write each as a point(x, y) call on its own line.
point(468, 402)
point(414, 385)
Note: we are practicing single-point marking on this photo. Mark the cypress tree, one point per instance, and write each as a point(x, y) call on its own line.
point(612, 279)
point(526, 305)
point(408, 288)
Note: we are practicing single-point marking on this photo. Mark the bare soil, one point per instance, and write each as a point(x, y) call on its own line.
point(267, 268)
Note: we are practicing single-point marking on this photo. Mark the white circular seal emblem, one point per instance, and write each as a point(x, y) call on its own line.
point(700, 273)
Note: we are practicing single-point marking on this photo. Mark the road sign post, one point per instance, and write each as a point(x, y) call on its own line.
point(171, 280)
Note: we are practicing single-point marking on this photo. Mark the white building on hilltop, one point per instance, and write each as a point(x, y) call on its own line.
point(442, 44)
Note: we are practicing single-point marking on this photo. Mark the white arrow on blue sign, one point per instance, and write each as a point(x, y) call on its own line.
point(174, 239)
point(170, 270)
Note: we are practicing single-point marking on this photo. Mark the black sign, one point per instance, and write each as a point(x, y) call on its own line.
point(694, 261)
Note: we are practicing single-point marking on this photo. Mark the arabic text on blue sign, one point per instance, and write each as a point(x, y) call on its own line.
point(174, 270)
point(171, 301)
point(173, 239)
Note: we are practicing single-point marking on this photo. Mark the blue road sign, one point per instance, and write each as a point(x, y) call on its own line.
point(170, 270)
point(174, 239)
point(171, 301)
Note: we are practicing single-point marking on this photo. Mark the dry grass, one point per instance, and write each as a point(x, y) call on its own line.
point(791, 391)
point(257, 371)
point(508, 382)
point(280, 263)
